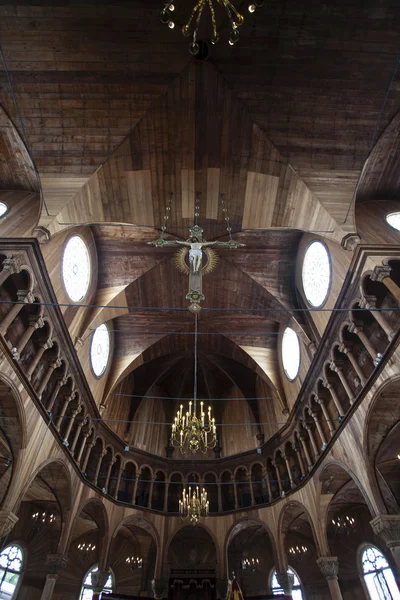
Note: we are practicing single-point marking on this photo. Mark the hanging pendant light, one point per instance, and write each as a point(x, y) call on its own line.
point(194, 504)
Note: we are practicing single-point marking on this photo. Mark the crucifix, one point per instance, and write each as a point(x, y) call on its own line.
point(196, 247)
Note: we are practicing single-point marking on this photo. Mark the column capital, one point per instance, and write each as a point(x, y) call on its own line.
point(56, 563)
point(329, 566)
point(13, 265)
point(7, 521)
point(286, 581)
point(368, 302)
point(25, 296)
point(355, 327)
point(36, 322)
point(387, 527)
point(380, 273)
point(159, 587)
point(99, 580)
point(351, 241)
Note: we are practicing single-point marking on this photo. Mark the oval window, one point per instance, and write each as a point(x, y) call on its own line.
point(76, 268)
point(290, 353)
point(394, 220)
point(100, 350)
point(316, 274)
point(3, 209)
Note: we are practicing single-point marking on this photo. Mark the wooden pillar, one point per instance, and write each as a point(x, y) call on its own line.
point(96, 474)
point(286, 581)
point(45, 345)
point(369, 302)
point(382, 275)
point(335, 397)
point(81, 449)
point(110, 466)
point(235, 494)
point(89, 449)
point(64, 409)
point(55, 563)
point(300, 459)
point(219, 497)
point(278, 477)
point(133, 501)
point(253, 502)
point(166, 497)
point(327, 418)
point(329, 567)
point(24, 297)
point(289, 470)
point(70, 424)
point(35, 323)
point(345, 349)
point(338, 369)
point(118, 483)
point(77, 434)
point(52, 366)
point(150, 494)
point(306, 452)
point(267, 481)
point(359, 331)
point(312, 440)
point(56, 390)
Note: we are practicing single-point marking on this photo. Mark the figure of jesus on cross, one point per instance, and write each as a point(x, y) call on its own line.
point(197, 247)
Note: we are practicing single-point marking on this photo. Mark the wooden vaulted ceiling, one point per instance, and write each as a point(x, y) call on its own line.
point(117, 116)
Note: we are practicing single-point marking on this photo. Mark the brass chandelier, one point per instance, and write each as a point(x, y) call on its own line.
point(194, 504)
point(192, 431)
point(191, 28)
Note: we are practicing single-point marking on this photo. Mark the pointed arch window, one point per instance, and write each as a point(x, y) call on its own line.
point(278, 591)
point(87, 587)
point(11, 561)
point(378, 575)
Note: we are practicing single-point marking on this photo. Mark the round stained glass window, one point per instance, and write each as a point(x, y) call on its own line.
point(76, 268)
point(316, 274)
point(290, 353)
point(394, 220)
point(3, 209)
point(100, 350)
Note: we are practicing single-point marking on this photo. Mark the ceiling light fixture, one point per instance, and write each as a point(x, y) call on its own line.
point(250, 564)
point(134, 562)
point(191, 28)
point(297, 553)
point(194, 504)
point(192, 431)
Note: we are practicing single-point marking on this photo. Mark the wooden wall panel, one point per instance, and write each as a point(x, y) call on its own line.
point(234, 439)
point(140, 197)
point(23, 213)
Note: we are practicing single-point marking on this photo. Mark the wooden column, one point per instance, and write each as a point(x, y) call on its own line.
point(219, 497)
point(357, 328)
point(35, 323)
point(267, 481)
point(110, 466)
point(312, 440)
point(320, 430)
point(253, 502)
point(335, 397)
point(56, 390)
point(382, 275)
point(135, 490)
point(81, 449)
point(289, 470)
point(329, 567)
point(300, 459)
point(327, 418)
point(306, 452)
point(286, 581)
point(52, 366)
point(369, 302)
point(55, 564)
point(89, 449)
point(96, 474)
point(24, 297)
point(345, 349)
point(77, 434)
point(166, 497)
point(64, 409)
point(45, 345)
point(150, 494)
point(70, 424)
point(338, 369)
point(235, 494)
point(118, 483)
point(278, 476)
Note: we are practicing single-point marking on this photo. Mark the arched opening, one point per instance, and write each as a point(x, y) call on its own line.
point(132, 556)
point(113, 480)
point(192, 559)
point(104, 471)
point(143, 487)
point(158, 495)
point(243, 488)
point(250, 555)
point(260, 489)
point(227, 491)
point(127, 483)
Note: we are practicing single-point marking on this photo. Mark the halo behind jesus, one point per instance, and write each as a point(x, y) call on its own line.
point(182, 263)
